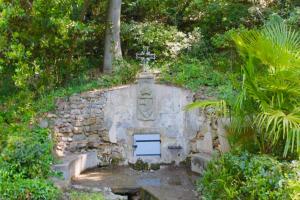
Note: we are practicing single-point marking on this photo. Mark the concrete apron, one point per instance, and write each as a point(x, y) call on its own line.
point(168, 183)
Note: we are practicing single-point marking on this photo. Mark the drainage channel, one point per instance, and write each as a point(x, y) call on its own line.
point(134, 193)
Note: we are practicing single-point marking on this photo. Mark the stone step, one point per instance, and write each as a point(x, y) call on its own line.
point(199, 162)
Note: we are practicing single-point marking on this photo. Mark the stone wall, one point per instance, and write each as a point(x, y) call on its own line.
point(106, 120)
point(79, 123)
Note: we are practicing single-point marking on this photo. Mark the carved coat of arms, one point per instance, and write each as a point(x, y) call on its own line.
point(145, 104)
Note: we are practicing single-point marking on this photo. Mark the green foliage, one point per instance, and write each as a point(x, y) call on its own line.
point(216, 108)
point(248, 176)
point(27, 155)
point(191, 73)
point(268, 101)
point(26, 150)
point(28, 189)
point(75, 195)
point(45, 43)
point(165, 11)
point(165, 41)
point(25, 164)
point(218, 16)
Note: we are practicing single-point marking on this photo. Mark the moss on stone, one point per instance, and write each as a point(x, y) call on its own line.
point(115, 161)
point(155, 166)
point(186, 162)
point(139, 165)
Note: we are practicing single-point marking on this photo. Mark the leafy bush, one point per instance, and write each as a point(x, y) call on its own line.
point(164, 40)
point(191, 73)
point(28, 189)
point(268, 101)
point(248, 176)
point(25, 151)
point(218, 16)
point(28, 155)
point(45, 43)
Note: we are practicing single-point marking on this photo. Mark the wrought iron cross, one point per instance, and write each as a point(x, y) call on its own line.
point(145, 56)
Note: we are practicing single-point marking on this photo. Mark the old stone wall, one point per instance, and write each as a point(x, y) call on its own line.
point(106, 120)
point(79, 123)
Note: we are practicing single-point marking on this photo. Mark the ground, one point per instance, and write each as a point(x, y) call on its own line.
point(168, 183)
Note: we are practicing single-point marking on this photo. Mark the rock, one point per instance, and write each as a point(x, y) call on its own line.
point(96, 111)
point(62, 106)
point(79, 137)
point(105, 137)
point(59, 123)
point(199, 162)
point(90, 121)
point(66, 139)
point(51, 115)
point(78, 123)
point(95, 128)
point(75, 112)
point(93, 138)
point(66, 116)
point(65, 130)
point(74, 98)
point(77, 129)
point(44, 123)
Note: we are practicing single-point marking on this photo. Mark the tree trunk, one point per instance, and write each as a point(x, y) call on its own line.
point(112, 49)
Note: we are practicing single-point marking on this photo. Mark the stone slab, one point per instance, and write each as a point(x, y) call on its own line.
point(199, 162)
point(73, 165)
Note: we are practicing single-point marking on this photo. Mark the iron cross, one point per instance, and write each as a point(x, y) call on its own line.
point(145, 56)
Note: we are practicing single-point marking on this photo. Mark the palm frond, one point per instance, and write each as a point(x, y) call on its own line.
point(280, 126)
point(270, 92)
point(220, 106)
point(276, 45)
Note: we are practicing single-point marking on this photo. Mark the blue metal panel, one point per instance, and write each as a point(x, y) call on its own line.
point(147, 145)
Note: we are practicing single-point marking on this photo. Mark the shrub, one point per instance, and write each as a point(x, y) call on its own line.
point(28, 156)
point(164, 40)
point(247, 176)
point(28, 189)
point(191, 73)
point(268, 101)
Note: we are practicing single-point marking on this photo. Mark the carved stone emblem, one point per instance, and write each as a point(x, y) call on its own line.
point(145, 104)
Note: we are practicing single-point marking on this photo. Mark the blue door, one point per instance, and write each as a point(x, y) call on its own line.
point(147, 144)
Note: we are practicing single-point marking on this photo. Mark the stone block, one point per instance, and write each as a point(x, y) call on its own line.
point(44, 123)
point(95, 111)
point(89, 121)
point(75, 112)
point(62, 106)
point(81, 106)
point(78, 129)
point(205, 145)
point(95, 128)
point(79, 137)
point(65, 130)
point(93, 138)
point(75, 98)
point(51, 115)
point(66, 116)
point(77, 123)
point(66, 139)
point(199, 162)
point(73, 165)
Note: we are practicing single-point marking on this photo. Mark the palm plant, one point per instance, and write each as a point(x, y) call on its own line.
point(268, 103)
point(269, 100)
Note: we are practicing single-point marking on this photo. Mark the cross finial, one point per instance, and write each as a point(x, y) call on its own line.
point(145, 56)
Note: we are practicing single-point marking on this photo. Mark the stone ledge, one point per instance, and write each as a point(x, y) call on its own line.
point(199, 162)
point(74, 164)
